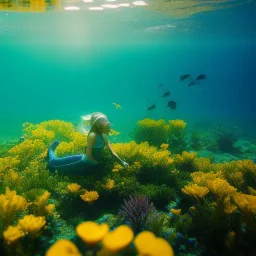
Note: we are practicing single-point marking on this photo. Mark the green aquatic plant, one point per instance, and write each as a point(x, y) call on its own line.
point(160, 195)
point(156, 223)
point(225, 138)
point(185, 162)
point(196, 140)
point(152, 131)
point(177, 136)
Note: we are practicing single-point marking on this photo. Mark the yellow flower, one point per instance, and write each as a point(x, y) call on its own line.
point(118, 239)
point(32, 225)
point(110, 184)
point(73, 188)
point(49, 209)
point(63, 248)
point(175, 211)
point(91, 232)
point(90, 196)
point(148, 244)
point(12, 234)
point(164, 146)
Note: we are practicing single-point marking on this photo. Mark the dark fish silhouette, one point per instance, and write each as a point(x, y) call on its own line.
point(200, 77)
point(193, 83)
point(184, 77)
point(160, 85)
point(166, 94)
point(171, 104)
point(151, 107)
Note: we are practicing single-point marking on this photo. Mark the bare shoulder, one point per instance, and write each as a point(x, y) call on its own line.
point(91, 138)
point(92, 135)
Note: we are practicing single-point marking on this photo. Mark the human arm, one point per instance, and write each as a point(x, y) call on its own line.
point(90, 142)
point(114, 154)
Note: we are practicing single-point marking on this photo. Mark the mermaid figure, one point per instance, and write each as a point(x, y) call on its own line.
point(96, 141)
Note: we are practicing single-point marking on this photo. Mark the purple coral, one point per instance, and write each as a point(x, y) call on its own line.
point(136, 211)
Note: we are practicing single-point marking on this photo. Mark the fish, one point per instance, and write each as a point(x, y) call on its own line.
point(166, 94)
point(116, 105)
point(151, 107)
point(160, 85)
point(172, 104)
point(193, 83)
point(184, 77)
point(200, 77)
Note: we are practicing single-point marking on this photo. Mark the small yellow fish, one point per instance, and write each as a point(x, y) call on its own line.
point(117, 105)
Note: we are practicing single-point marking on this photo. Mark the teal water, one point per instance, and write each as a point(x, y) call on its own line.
point(62, 65)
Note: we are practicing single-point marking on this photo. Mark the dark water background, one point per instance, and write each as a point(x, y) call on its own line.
point(67, 64)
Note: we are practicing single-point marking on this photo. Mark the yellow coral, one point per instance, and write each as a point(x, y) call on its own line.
point(12, 234)
point(12, 178)
point(220, 188)
point(118, 239)
point(109, 185)
point(185, 161)
point(155, 132)
point(63, 247)
point(90, 196)
point(234, 173)
point(252, 191)
point(73, 188)
point(27, 151)
point(177, 124)
point(247, 166)
point(91, 232)
point(147, 244)
point(32, 225)
point(164, 146)
point(201, 178)
point(8, 163)
point(10, 205)
point(135, 167)
point(203, 164)
point(42, 134)
point(117, 167)
point(195, 191)
point(175, 211)
point(245, 203)
point(62, 130)
point(229, 208)
point(143, 154)
point(41, 208)
point(49, 209)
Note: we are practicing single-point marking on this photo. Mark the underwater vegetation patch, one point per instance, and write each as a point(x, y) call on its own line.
point(174, 199)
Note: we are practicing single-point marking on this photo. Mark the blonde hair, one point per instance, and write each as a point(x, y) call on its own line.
point(95, 117)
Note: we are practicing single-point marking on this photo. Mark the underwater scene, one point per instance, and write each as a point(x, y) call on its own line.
point(127, 128)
